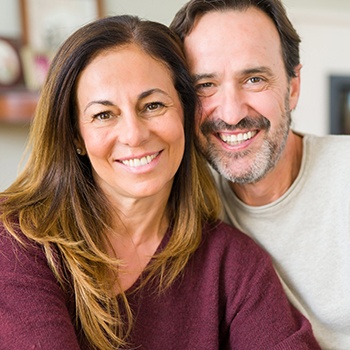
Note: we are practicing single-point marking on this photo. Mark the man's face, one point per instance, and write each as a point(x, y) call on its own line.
point(246, 98)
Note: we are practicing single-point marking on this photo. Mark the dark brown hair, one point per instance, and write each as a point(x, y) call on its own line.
point(56, 202)
point(184, 20)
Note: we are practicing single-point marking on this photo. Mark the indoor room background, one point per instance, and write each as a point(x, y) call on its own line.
point(324, 27)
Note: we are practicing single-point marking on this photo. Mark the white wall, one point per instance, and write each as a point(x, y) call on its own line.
point(156, 10)
point(12, 144)
point(316, 5)
point(323, 25)
point(9, 18)
point(325, 51)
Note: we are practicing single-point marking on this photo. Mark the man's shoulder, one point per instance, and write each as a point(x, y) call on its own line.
point(325, 160)
point(332, 149)
point(340, 142)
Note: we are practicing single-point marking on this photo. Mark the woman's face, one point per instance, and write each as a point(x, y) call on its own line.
point(131, 123)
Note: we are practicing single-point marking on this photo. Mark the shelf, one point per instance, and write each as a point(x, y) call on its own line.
point(17, 106)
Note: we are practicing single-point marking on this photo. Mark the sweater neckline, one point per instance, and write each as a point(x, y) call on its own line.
point(163, 243)
point(227, 189)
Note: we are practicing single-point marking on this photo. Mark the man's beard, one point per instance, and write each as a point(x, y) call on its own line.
point(262, 162)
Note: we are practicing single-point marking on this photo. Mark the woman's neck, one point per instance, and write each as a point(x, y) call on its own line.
point(137, 233)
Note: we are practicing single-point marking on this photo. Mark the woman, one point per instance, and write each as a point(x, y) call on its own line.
point(110, 237)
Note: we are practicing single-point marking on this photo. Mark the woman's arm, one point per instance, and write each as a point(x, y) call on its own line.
point(33, 306)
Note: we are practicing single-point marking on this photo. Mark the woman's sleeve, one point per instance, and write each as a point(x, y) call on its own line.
point(33, 306)
point(265, 319)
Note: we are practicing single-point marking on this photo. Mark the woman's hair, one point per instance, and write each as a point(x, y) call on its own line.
point(184, 22)
point(56, 202)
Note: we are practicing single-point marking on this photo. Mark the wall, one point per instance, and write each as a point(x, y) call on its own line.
point(156, 10)
point(12, 144)
point(9, 18)
point(323, 25)
point(324, 52)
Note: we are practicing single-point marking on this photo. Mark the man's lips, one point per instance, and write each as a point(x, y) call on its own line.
point(236, 139)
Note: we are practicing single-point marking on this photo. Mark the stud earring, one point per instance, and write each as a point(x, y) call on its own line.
point(79, 151)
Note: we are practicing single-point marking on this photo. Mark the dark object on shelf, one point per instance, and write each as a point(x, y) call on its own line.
point(17, 106)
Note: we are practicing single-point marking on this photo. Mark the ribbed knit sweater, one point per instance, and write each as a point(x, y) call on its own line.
point(228, 297)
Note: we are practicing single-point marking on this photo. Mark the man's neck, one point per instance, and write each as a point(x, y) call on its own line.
point(277, 181)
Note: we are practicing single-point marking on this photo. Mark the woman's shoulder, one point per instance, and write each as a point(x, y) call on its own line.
point(17, 243)
point(221, 232)
point(20, 255)
point(227, 242)
point(230, 259)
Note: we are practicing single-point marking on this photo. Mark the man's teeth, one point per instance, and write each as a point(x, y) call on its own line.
point(237, 138)
point(139, 161)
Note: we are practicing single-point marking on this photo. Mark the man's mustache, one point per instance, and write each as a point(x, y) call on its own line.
point(217, 125)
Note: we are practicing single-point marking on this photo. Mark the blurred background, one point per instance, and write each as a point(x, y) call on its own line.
point(31, 31)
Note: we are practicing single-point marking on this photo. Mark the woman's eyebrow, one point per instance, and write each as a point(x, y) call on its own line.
point(152, 91)
point(100, 102)
point(140, 96)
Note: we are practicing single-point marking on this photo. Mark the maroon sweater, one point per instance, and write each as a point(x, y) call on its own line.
point(228, 297)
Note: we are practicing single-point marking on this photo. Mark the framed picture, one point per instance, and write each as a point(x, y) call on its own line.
point(11, 73)
point(46, 24)
point(339, 97)
point(36, 65)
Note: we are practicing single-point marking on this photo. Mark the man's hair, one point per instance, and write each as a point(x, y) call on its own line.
point(185, 18)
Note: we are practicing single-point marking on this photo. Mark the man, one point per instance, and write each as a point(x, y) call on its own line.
point(290, 192)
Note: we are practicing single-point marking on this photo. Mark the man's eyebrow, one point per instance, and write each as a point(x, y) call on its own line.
point(256, 70)
point(197, 77)
point(248, 71)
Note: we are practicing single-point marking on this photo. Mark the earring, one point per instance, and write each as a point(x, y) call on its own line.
point(79, 151)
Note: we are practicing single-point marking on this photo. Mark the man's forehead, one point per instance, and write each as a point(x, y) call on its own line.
point(239, 35)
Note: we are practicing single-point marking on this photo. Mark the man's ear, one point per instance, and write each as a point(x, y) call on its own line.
point(294, 90)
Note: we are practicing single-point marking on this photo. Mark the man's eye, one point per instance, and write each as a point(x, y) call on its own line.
point(256, 84)
point(255, 80)
point(204, 85)
point(205, 89)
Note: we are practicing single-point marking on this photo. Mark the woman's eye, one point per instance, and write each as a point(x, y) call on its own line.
point(154, 106)
point(103, 116)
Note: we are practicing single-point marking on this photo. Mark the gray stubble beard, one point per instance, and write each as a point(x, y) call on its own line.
point(264, 160)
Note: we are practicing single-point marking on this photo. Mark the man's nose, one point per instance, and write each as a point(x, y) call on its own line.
point(231, 105)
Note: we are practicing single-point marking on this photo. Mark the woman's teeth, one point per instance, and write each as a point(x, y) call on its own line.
point(136, 162)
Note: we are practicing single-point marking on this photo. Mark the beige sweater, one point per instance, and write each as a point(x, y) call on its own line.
point(307, 233)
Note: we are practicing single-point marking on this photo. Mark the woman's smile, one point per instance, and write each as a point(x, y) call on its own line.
point(131, 123)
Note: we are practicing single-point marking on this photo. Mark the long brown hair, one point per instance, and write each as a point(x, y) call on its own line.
point(56, 203)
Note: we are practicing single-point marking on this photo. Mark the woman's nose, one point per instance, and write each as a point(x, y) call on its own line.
point(132, 129)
